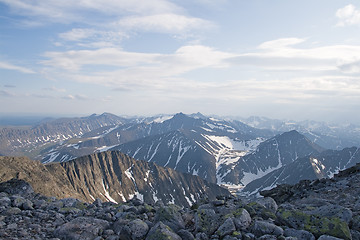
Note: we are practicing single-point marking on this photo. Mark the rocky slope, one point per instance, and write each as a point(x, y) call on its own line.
point(110, 176)
point(321, 209)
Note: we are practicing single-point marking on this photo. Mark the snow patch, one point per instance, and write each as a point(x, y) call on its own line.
point(107, 195)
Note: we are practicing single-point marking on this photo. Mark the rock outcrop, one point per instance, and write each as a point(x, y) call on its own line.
point(109, 176)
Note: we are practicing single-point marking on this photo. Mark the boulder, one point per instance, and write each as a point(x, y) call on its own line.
point(185, 234)
point(171, 217)
point(241, 218)
point(227, 228)
point(315, 224)
point(298, 234)
point(16, 186)
point(260, 228)
point(162, 232)
point(81, 228)
point(269, 203)
point(206, 221)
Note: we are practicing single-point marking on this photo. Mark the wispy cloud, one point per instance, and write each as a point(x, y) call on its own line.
point(9, 66)
point(76, 97)
point(134, 69)
point(9, 86)
point(54, 89)
point(282, 54)
point(4, 93)
point(348, 15)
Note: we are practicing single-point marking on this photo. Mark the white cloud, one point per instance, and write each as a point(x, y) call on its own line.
point(165, 23)
point(280, 43)
point(10, 66)
point(282, 54)
point(348, 15)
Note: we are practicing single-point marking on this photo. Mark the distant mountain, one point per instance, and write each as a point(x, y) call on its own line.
point(19, 141)
point(270, 155)
point(314, 166)
point(110, 176)
point(329, 136)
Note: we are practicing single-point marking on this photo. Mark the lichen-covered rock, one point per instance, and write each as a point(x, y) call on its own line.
point(268, 203)
point(171, 217)
point(81, 228)
point(241, 218)
point(256, 209)
point(227, 228)
point(331, 210)
point(298, 234)
point(317, 225)
point(162, 232)
point(138, 229)
point(206, 221)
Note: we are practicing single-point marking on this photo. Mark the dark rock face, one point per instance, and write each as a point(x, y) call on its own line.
point(110, 176)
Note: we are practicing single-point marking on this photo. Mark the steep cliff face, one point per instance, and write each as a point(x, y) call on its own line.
point(110, 176)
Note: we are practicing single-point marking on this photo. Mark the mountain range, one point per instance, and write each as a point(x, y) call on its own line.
point(249, 154)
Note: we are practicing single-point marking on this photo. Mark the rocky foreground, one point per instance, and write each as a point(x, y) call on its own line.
point(325, 209)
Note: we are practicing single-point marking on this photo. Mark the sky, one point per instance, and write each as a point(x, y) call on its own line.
point(282, 59)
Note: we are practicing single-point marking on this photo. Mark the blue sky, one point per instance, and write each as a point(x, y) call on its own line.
point(281, 59)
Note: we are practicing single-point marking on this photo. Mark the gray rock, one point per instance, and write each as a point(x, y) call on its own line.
point(185, 234)
point(355, 235)
point(261, 228)
point(299, 234)
point(171, 217)
point(267, 237)
point(138, 229)
point(13, 211)
point(327, 237)
point(268, 203)
point(27, 205)
point(5, 202)
point(248, 236)
point(162, 232)
point(315, 224)
point(228, 237)
point(228, 227)
point(69, 202)
point(331, 210)
point(16, 186)
point(81, 228)
point(242, 219)
point(12, 226)
point(355, 223)
point(206, 221)
point(201, 236)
